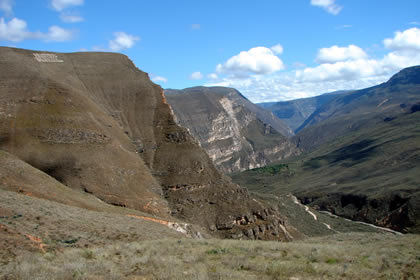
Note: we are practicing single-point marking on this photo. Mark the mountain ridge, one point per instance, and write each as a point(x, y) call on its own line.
point(98, 125)
point(295, 112)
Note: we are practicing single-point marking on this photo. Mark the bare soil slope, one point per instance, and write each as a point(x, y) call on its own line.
point(98, 125)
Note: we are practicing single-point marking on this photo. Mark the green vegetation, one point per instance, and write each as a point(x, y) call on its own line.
point(342, 256)
point(379, 165)
point(272, 169)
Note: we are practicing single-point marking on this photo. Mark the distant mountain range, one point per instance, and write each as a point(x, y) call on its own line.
point(351, 111)
point(237, 134)
point(295, 112)
point(361, 156)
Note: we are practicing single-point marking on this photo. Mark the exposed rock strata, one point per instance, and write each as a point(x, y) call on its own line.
point(235, 133)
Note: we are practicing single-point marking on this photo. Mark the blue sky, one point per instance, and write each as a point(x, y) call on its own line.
point(269, 50)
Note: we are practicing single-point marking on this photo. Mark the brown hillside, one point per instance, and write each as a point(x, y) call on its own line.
point(97, 124)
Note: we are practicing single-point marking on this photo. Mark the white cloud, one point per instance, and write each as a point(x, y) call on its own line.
point(212, 76)
point(159, 79)
point(196, 76)
point(277, 49)
point(328, 5)
point(408, 40)
point(335, 54)
point(414, 23)
point(258, 60)
point(60, 5)
point(58, 34)
point(339, 70)
point(70, 18)
point(367, 69)
point(16, 30)
point(6, 6)
point(195, 26)
point(122, 41)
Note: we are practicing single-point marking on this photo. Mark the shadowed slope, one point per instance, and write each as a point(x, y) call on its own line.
point(364, 108)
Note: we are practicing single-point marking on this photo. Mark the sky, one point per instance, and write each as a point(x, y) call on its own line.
point(270, 50)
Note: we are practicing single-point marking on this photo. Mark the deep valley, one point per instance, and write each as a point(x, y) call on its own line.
point(105, 175)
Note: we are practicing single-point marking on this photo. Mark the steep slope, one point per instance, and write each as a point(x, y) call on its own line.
point(371, 176)
point(363, 157)
point(237, 134)
point(295, 112)
point(98, 125)
point(361, 109)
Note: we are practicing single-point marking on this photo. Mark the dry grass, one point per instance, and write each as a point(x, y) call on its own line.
point(343, 256)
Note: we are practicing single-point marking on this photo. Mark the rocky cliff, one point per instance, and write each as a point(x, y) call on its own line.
point(98, 125)
point(237, 134)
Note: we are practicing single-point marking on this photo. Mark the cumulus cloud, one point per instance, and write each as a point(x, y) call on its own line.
point(338, 69)
point(159, 79)
point(335, 54)
point(277, 49)
point(60, 5)
point(70, 18)
point(408, 40)
point(258, 60)
point(342, 70)
point(16, 30)
point(328, 5)
point(196, 76)
point(6, 6)
point(122, 41)
point(359, 67)
point(58, 34)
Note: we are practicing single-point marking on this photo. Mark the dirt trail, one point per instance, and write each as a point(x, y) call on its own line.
point(363, 223)
point(296, 201)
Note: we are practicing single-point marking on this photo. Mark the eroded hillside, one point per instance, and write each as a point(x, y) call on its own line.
point(237, 134)
point(97, 125)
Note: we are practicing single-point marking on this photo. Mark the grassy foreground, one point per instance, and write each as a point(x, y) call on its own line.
point(341, 256)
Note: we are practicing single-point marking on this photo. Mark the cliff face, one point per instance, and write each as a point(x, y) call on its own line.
point(98, 125)
point(236, 135)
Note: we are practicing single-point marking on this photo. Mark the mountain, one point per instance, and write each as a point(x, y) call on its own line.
point(349, 112)
point(93, 125)
point(295, 112)
point(362, 158)
point(237, 134)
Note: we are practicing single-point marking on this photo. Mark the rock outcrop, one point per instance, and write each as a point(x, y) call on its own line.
point(237, 134)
